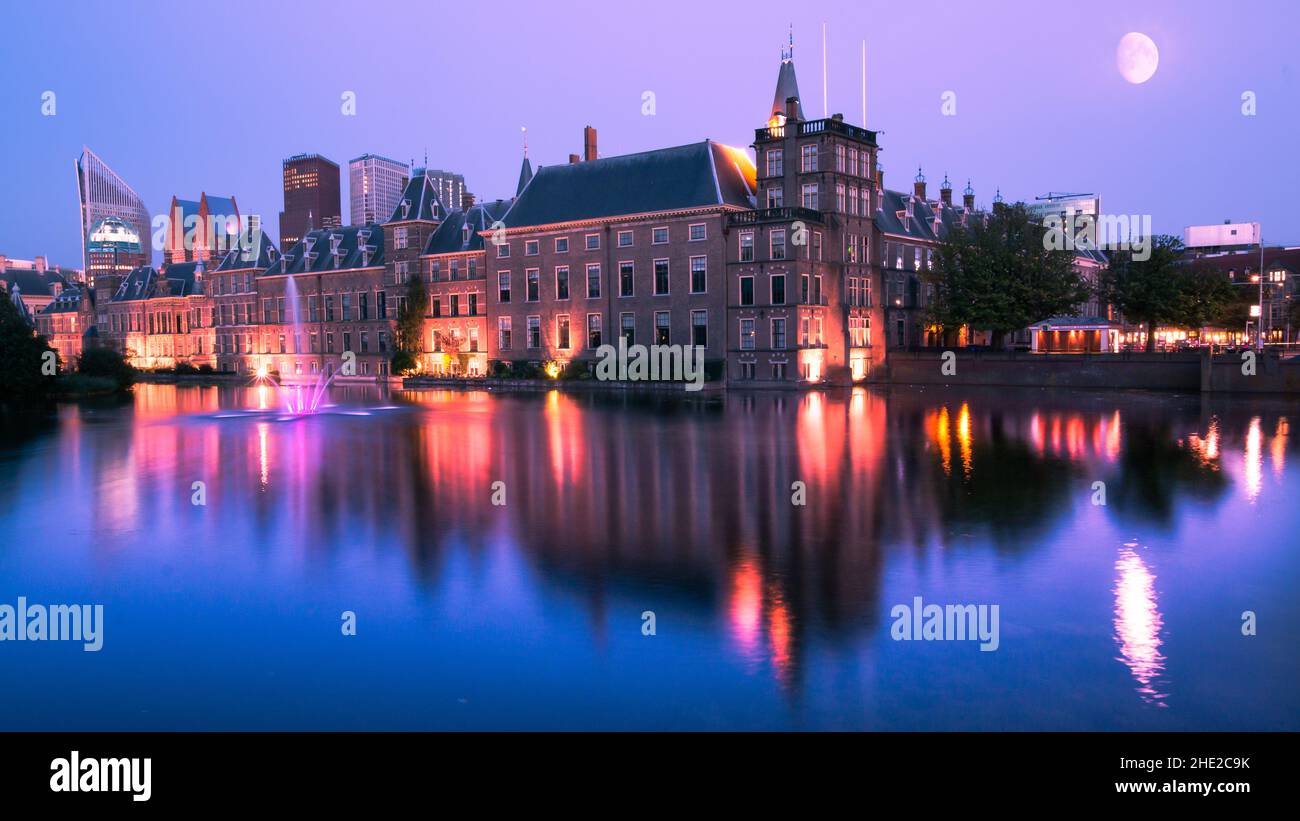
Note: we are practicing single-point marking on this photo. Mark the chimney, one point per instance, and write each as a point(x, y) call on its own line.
point(945, 192)
point(573, 159)
point(791, 109)
point(588, 144)
point(40, 265)
point(880, 178)
point(4, 263)
point(466, 201)
point(968, 197)
point(919, 187)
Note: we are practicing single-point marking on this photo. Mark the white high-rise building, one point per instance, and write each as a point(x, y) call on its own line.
point(103, 194)
point(375, 185)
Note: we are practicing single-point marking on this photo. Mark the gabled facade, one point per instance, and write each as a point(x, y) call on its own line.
point(159, 319)
point(234, 305)
point(631, 246)
point(454, 265)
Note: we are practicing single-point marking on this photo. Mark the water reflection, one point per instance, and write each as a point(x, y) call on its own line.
point(616, 502)
point(1138, 624)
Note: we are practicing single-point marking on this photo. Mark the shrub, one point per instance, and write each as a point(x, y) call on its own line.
point(107, 363)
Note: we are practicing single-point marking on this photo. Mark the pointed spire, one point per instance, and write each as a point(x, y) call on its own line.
point(525, 169)
point(786, 84)
point(997, 198)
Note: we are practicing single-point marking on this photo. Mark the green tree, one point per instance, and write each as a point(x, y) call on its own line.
point(1001, 274)
point(1146, 290)
point(1206, 297)
point(409, 334)
point(24, 373)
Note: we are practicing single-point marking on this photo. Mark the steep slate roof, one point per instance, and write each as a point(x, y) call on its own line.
point(931, 221)
point(667, 179)
point(236, 260)
point(525, 176)
point(32, 283)
point(450, 237)
point(360, 246)
point(786, 86)
point(66, 302)
point(419, 201)
point(183, 279)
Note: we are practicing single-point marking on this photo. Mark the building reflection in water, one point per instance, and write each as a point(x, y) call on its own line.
point(627, 499)
point(1138, 624)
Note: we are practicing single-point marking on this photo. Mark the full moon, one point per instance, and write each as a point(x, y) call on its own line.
point(1137, 57)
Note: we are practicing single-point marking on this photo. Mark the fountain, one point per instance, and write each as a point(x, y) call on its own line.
point(299, 398)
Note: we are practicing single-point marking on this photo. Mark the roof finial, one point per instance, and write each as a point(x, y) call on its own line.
point(788, 53)
point(945, 186)
point(524, 129)
point(998, 196)
point(919, 176)
point(970, 192)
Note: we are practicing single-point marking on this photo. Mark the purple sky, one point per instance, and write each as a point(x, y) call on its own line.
point(214, 102)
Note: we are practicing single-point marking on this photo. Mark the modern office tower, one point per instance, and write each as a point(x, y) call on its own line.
point(101, 194)
point(450, 187)
point(113, 249)
point(375, 185)
point(311, 197)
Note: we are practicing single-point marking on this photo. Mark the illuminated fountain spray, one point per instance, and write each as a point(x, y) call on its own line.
point(299, 398)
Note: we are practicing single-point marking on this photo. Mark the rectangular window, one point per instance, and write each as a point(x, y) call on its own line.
point(503, 286)
point(778, 289)
point(808, 157)
point(803, 288)
point(363, 306)
point(775, 162)
point(593, 331)
point(313, 309)
point(817, 290)
point(700, 328)
point(809, 195)
point(533, 276)
point(659, 236)
point(627, 327)
point(778, 333)
point(699, 275)
point(776, 249)
point(503, 250)
point(775, 197)
point(747, 334)
point(746, 246)
point(562, 332)
point(593, 242)
point(473, 304)
point(503, 333)
point(698, 232)
point(534, 332)
point(346, 307)
point(455, 304)
point(803, 331)
point(531, 248)
point(662, 323)
point(661, 277)
point(746, 290)
point(562, 282)
point(593, 281)
point(561, 245)
point(624, 239)
point(839, 198)
point(437, 306)
point(626, 281)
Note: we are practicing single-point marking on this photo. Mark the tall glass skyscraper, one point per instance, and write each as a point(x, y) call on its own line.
point(375, 185)
point(101, 194)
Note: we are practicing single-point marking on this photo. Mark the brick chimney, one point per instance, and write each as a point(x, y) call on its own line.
point(918, 187)
point(466, 201)
point(40, 265)
point(945, 192)
point(4, 263)
point(968, 197)
point(791, 109)
point(573, 159)
point(588, 144)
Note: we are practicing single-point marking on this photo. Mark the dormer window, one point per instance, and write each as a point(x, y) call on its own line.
point(406, 209)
